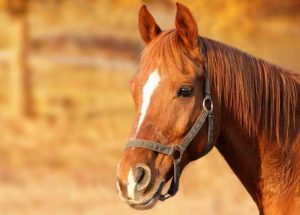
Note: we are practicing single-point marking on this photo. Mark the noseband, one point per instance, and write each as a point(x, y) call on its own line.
point(176, 151)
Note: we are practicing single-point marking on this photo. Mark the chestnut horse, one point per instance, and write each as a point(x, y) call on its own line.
point(193, 93)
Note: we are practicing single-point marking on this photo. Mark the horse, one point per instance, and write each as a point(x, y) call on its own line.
point(192, 94)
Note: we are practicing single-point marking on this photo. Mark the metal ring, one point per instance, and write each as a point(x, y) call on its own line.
point(205, 100)
point(177, 153)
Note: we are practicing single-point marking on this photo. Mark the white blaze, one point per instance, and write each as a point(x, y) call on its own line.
point(131, 185)
point(148, 90)
point(118, 185)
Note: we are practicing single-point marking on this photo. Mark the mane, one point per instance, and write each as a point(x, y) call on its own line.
point(261, 97)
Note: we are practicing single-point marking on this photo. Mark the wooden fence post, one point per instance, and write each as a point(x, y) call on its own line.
point(20, 91)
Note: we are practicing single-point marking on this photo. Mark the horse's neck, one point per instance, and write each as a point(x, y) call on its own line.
point(242, 154)
point(269, 174)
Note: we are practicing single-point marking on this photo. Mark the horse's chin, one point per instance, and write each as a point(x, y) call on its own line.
point(149, 203)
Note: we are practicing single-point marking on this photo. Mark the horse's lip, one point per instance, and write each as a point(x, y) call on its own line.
point(148, 204)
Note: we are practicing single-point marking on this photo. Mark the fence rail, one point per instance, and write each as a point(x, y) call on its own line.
point(98, 62)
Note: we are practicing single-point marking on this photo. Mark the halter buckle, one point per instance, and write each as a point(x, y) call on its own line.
point(208, 101)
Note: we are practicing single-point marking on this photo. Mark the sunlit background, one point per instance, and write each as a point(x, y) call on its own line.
point(66, 111)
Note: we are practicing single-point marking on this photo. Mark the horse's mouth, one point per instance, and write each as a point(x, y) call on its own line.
point(149, 203)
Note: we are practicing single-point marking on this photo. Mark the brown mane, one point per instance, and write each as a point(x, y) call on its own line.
point(260, 96)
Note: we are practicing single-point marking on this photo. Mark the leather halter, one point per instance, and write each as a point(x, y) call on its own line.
point(176, 151)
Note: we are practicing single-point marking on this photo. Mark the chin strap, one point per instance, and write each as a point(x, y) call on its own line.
point(177, 151)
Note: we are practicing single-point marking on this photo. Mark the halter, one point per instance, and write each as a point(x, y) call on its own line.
point(176, 151)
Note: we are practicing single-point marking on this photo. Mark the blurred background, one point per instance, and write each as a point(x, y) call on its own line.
point(66, 111)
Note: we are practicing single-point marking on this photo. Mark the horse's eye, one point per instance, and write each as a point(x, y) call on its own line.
point(185, 91)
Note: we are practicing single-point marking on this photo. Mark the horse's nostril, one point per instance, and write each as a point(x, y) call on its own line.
point(139, 174)
point(142, 176)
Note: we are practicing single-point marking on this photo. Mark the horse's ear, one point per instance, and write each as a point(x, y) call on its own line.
point(147, 25)
point(186, 26)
